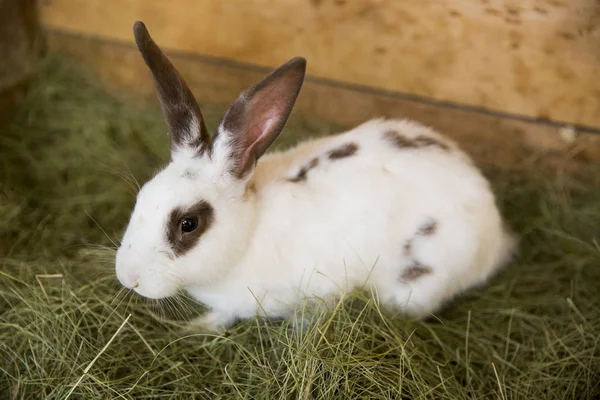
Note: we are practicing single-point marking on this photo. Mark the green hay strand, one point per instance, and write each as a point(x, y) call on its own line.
point(69, 167)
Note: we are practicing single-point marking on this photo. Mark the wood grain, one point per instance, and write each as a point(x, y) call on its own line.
point(490, 139)
point(536, 58)
point(21, 45)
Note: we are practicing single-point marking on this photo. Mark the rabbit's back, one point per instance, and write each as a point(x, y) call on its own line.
point(391, 201)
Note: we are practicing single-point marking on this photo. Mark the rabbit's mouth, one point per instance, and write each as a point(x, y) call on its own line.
point(158, 291)
point(148, 276)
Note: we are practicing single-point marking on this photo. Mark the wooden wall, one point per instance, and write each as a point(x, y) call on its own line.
point(536, 58)
point(21, 45)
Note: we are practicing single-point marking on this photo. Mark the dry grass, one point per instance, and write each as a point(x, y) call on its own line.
point(68, 167)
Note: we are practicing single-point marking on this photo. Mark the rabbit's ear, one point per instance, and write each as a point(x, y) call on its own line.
point(257, 117)
point(180, 110)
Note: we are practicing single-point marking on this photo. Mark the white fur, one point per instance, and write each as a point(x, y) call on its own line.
point(344, 227)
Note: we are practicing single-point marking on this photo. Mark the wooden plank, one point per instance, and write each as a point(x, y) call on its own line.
point(20, 48)
point(536, 58)
point(490, 139)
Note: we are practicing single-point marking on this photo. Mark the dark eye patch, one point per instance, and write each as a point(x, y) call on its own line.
point(181, 242)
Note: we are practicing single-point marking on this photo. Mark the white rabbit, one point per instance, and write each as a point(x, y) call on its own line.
point(390, 205)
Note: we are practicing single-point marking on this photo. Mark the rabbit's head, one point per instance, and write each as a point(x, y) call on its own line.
point(193, 219)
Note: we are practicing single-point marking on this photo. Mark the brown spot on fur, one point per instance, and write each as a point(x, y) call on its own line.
point(301, 175)
point(425, 141)
point(408, 247)
point(428, 228)
point(189, 174)
point(415, 271)
point(400, 141)
point(404, 142)
point(343, 151)
point(182, 242)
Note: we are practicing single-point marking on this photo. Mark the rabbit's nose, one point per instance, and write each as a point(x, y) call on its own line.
point(128, 276)
point(133, 282)
point(130, 280)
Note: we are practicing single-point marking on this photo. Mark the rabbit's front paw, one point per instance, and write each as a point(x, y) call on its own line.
point(213, 322)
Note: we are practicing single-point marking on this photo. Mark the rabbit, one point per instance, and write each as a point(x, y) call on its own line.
point(390, 205)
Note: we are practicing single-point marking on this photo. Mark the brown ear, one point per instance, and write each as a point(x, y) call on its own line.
point(257, 117)
point(180, 110)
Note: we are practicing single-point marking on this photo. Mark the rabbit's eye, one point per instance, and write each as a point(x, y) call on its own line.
point(189, 224)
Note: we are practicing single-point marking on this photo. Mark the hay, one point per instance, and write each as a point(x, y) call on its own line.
point(68, 170)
